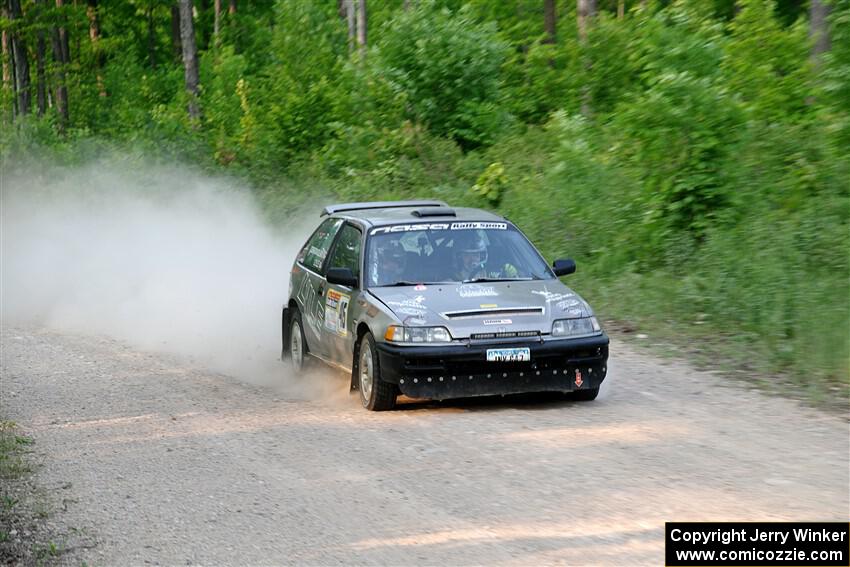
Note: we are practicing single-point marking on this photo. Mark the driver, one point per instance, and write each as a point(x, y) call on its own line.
point(391, 263)
point(470, 258)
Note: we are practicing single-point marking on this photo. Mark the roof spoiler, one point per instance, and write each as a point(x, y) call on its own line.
point(342, 207)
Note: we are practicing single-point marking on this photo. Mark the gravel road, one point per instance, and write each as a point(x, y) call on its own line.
point(151, 459)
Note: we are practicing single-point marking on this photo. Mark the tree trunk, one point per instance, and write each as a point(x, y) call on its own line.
point(586, 10)
point(818, 29)
point(216, 23)
point(361, 26)
point(550, 20)
point(190, 58)
point(175, 32)
point(7, 74)
point(94, 35)
point(22, 68)
point(40, 79)
point(61, 58)
point(351, 20)
point(621, 9)
point(231, 8)
point(63, 38)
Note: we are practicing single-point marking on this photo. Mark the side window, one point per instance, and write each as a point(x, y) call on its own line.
point(347, 251)
point(314, 252)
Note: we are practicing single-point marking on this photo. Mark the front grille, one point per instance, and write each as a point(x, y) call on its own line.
point(503, 335)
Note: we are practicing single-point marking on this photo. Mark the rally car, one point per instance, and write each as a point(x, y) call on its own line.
point(429, 301)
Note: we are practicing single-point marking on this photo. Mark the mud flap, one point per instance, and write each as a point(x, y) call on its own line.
point(354, 365)
point(284, 334)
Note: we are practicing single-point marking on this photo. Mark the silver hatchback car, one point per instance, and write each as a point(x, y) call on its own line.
point(421, 299)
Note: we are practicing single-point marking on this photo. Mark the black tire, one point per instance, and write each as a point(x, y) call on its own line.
point(375, 394)
point(298, 362)
point(585, 395)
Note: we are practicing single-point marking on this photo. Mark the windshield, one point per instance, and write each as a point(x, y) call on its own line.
point(451, 253)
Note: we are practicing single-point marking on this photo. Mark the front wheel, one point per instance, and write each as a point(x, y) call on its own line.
point(375, 394)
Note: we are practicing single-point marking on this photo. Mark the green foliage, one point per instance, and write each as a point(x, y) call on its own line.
point(765, 64)
point(677, 135)
point(448, 67)
point(491, 184)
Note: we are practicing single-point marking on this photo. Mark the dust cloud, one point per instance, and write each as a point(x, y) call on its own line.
point(164, 258)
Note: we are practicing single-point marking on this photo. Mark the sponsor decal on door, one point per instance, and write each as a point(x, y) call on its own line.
point(336, 312)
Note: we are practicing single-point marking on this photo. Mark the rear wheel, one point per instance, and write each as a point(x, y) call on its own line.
point(375, 394)
point(297, 343)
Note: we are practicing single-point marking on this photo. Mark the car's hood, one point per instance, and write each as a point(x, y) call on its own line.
point(475, 308)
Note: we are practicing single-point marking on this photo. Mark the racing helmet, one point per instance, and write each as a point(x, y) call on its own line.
point(392, 254)
point(470, 251)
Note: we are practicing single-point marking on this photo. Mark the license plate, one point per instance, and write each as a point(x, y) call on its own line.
point(508, 354)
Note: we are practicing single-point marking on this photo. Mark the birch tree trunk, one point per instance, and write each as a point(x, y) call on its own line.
point(818, 29)
point(351, 21)
point(361, 27)
point(190, 58)
point(7, 71)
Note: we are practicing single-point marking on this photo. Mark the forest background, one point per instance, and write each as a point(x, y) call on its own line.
point(692, 156)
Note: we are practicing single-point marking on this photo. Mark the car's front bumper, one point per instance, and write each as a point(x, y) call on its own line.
point(456, 371)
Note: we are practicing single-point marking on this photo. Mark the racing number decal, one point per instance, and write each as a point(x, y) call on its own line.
point(343, 315)
point(336, 312)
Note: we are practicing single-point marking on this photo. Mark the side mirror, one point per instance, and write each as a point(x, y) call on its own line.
point(342, 276)
point(564, 267)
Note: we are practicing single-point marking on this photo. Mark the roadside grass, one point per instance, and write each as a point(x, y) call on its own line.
point(24, 538)
point(649, 318)
point(13, 463)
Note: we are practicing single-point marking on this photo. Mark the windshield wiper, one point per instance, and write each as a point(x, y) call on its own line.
point(477, 280)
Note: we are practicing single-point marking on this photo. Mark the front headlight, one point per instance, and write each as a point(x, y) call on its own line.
point(399, 334)
point(575, 327)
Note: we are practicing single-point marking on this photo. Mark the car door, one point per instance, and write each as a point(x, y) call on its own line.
point(310, 294)
point(346, 253)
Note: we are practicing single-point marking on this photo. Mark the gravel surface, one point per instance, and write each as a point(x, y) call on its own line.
point(155, 460)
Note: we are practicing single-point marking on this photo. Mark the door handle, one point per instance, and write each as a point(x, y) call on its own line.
point(321, 290)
